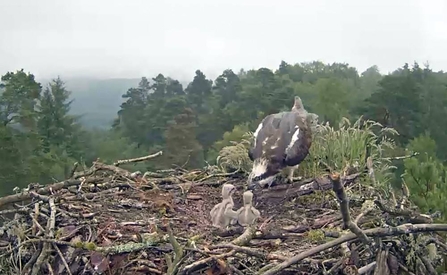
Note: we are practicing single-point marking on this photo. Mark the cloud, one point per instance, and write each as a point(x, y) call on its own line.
point(135, 38)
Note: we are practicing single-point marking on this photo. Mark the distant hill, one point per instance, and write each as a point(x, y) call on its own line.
point(97, 100)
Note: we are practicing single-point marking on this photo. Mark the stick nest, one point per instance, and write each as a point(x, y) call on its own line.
point(107, 221)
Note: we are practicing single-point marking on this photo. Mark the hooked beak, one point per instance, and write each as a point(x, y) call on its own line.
point(252, 186)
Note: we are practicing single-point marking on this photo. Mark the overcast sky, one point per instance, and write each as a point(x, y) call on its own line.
point(110, 38)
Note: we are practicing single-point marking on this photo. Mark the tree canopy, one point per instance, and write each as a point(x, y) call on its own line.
point(40, 139)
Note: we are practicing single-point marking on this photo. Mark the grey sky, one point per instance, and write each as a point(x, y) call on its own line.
point(105, 38)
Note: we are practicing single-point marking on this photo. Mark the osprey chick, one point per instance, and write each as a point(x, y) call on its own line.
point(281, 141)
point(247, 214)
point(222, 214)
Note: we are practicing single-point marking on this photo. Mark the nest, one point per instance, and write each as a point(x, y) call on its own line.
point(109, 221)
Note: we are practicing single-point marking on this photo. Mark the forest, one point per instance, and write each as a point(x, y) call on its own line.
point(208, 123)
point(40, 140)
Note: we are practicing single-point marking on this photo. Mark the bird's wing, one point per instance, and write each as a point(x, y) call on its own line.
point(256, 212)
point(266, 129)
point(229, 212)
point(213, 211)
point(298, 139)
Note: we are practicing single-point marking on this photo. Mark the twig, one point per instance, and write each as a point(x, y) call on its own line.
point(245, 250)
point(62, 258)
point(367, 268)
point(414, 154)
point(178, 253)
point(382, 267)
point(50, 269)
point(73, 170)
point(370, 166)
point(124, 161)
point(218, 175)
point(412, 217)
point(375, 232)
point(405, 195)
point(246, 237)
point(196, 265)
point(362, 214)
point(25, 195)
point(49, 234)
point(428, 265)
point(344, 207)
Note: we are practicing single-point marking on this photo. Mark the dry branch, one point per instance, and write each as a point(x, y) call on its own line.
point(116, 224)
point(375, 232)
point(124, 161)
point(339, 190)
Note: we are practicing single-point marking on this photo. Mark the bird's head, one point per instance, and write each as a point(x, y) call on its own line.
point(228, 190)
point(297, 104)
point(248, 197)
point(264, 172)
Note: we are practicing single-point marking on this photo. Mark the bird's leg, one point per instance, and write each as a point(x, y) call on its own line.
point(291, 171)
point(290, 176)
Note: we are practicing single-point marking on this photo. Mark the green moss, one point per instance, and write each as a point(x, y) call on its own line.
point(58, 233)
point(79, 244)
point(162, 211)
point(90, 246)
point(316, 235)
point(317, 197)
point(85, 245)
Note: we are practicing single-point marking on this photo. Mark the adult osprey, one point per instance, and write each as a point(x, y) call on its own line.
point(281, 141)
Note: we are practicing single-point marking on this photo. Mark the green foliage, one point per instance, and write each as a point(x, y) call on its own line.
point(425, 176)
point(110, 146)
point(56, 127)
point(237, 135)
point(332, 100)
point(235, 156)
point(40, 141)
point(337, 148)
point(18, 99)
point(348, 145)
point(10, 162)
point(412, 101)
point(182, 147)
point(212, 120)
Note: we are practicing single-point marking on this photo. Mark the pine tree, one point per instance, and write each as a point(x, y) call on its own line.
point(182, 146)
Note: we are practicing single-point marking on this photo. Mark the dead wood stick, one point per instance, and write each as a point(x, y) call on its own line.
point(405, 195)
point(197, 264)
point(374, 232)
point(124, 161)
point(26, 195)
point(382, 267)
point(362, 214)
point(51, 223)
point(414, 154)
point(370, 166)
point(217, 175)
point(407, 213)
point(428, 265)
point(246, 237)
point(113, 168)
point(339, 190)
point(73, 170)
point(367, 268)
point(62, 259)
point(245, 250)
point(173, 264)
point(121, 248)
point(304, 187)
